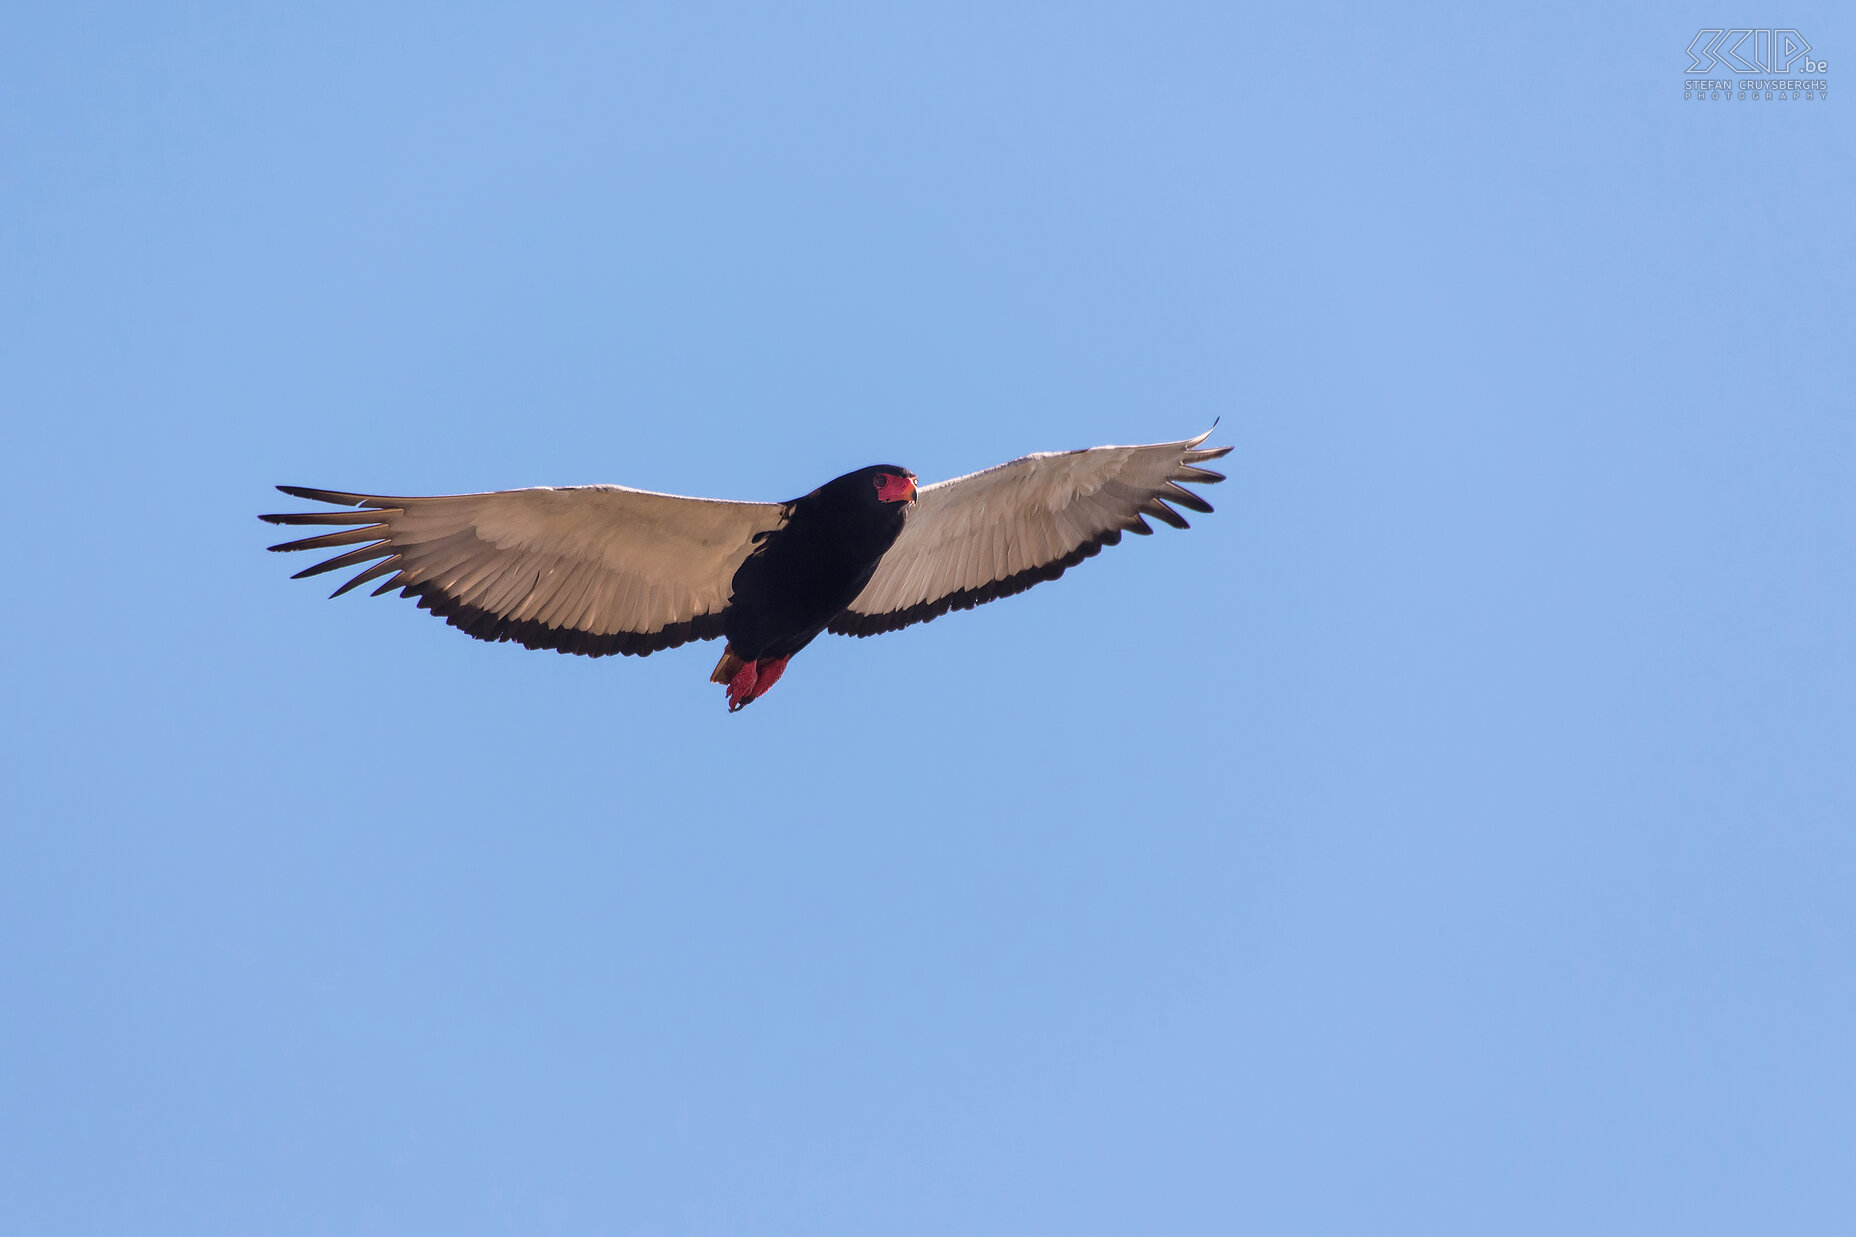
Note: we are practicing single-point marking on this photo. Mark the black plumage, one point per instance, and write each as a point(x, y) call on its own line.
point(803, 574)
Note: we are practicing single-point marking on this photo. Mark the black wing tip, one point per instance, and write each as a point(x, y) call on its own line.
point(389, 565)
point(1160, 511)
point(370, 504)
point(1176, 493)
point(338, 497)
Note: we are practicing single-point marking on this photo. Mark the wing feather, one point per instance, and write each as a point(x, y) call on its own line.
point(384, 567)
point(586, 569)
point(995, 533)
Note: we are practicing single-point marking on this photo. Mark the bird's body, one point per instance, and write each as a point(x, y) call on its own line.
point(604, 569)
point(803, 575)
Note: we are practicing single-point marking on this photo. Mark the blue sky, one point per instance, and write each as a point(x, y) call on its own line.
point(1452, 834)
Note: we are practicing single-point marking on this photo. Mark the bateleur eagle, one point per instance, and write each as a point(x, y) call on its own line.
point(601, 569)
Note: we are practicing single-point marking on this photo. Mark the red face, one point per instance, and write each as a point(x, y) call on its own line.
point(895, 487)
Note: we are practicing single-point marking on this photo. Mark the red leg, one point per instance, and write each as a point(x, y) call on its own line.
point(741, 687)
point(770, 671)
point(752, 681)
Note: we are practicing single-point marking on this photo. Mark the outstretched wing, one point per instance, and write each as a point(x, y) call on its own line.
point(998, 532)
point(592, 569)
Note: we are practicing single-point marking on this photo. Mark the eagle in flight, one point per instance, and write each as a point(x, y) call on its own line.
point(600, 569)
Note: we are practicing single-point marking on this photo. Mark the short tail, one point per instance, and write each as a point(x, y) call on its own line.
point(727, 668)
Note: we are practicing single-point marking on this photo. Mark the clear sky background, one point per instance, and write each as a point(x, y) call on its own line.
point(1452, 834)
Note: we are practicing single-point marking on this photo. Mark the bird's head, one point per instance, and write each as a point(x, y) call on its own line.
point(881, 489)
point(893, 484)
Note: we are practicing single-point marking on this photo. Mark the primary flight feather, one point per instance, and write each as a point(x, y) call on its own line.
point(604, 569)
